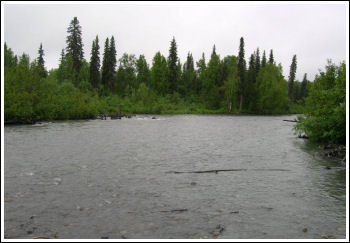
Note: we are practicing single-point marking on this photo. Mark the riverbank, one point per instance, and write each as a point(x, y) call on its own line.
point(335, 151)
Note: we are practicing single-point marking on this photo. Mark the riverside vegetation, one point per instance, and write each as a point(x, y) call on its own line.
point(79, 89)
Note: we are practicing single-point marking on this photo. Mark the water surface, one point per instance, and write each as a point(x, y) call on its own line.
point(114, 179)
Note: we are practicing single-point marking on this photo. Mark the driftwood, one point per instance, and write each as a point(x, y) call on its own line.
point(216, 171)
point(175, 210)
point(290, 120)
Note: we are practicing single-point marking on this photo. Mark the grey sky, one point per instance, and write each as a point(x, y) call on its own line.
point(313, 32)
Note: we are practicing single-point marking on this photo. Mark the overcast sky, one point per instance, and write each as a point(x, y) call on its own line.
point(313, 32)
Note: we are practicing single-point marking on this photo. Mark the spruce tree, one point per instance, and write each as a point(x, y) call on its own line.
point(40, 59)
point(75, 45)
point(271, 60)
point(189, 76)
point(291, 78)
point(263, 61)
point(95, 63)
point(105, 68)
point(112, 63)
point(201, 72)
point(41, 62)
point(257, 62)
point(172, 66)
point(241, 72)
point(303, 88)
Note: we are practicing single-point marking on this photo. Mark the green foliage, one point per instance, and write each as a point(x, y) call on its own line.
point(126, 81)
point(79, 90)
point(159, 72)
point(325, 114)
point(143, 74)
point(271, 91)
point(231, 85)
point(210, 95)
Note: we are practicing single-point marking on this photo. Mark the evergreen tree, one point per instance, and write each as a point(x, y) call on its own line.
point(263, 61)
point(210, 90)
point(251, 79)
point(303, 88)
point(112, 55)
point(10, 60)
point(65, 69)
point(108, 66)
point(201, 72)
point(257, 61)
point(291, 78)
point(189, 76)
point(172, 66)
point(40, 59)
point(75, 45)
point(105, 66)
point(95, 63)
point(271, 60)
point(241, 72)
point(41, 62)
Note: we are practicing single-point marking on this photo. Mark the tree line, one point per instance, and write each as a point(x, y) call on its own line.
point(216, 85)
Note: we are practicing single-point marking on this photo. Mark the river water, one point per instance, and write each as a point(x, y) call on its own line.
point(117, 179)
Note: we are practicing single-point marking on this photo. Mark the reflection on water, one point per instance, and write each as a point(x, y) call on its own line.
point(110, 179)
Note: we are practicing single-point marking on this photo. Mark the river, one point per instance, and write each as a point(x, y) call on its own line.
point(121, 179)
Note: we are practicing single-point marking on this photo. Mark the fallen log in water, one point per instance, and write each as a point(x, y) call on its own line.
point(223, 170)
point(204, 171)
point(174, 210)
point(290, 120)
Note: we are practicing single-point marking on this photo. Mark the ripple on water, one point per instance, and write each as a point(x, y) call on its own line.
point(115, 171)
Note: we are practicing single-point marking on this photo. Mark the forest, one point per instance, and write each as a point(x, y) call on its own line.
point(81, 89)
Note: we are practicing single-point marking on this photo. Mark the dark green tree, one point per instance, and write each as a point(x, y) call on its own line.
point(10, 60)
point(250, 81)
point(172, 66)
point(112, 55)
point(263, 61)
point(291, 78)
point(75, 45)
point(41, 63)
point(241, 73)
point(105, 65)
point(271, 59)
point(303, 88)
point(257, 61)
point(190, 85)
point(108, 66)
point(94, 76)
point(201, 72)
point(210, 91)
